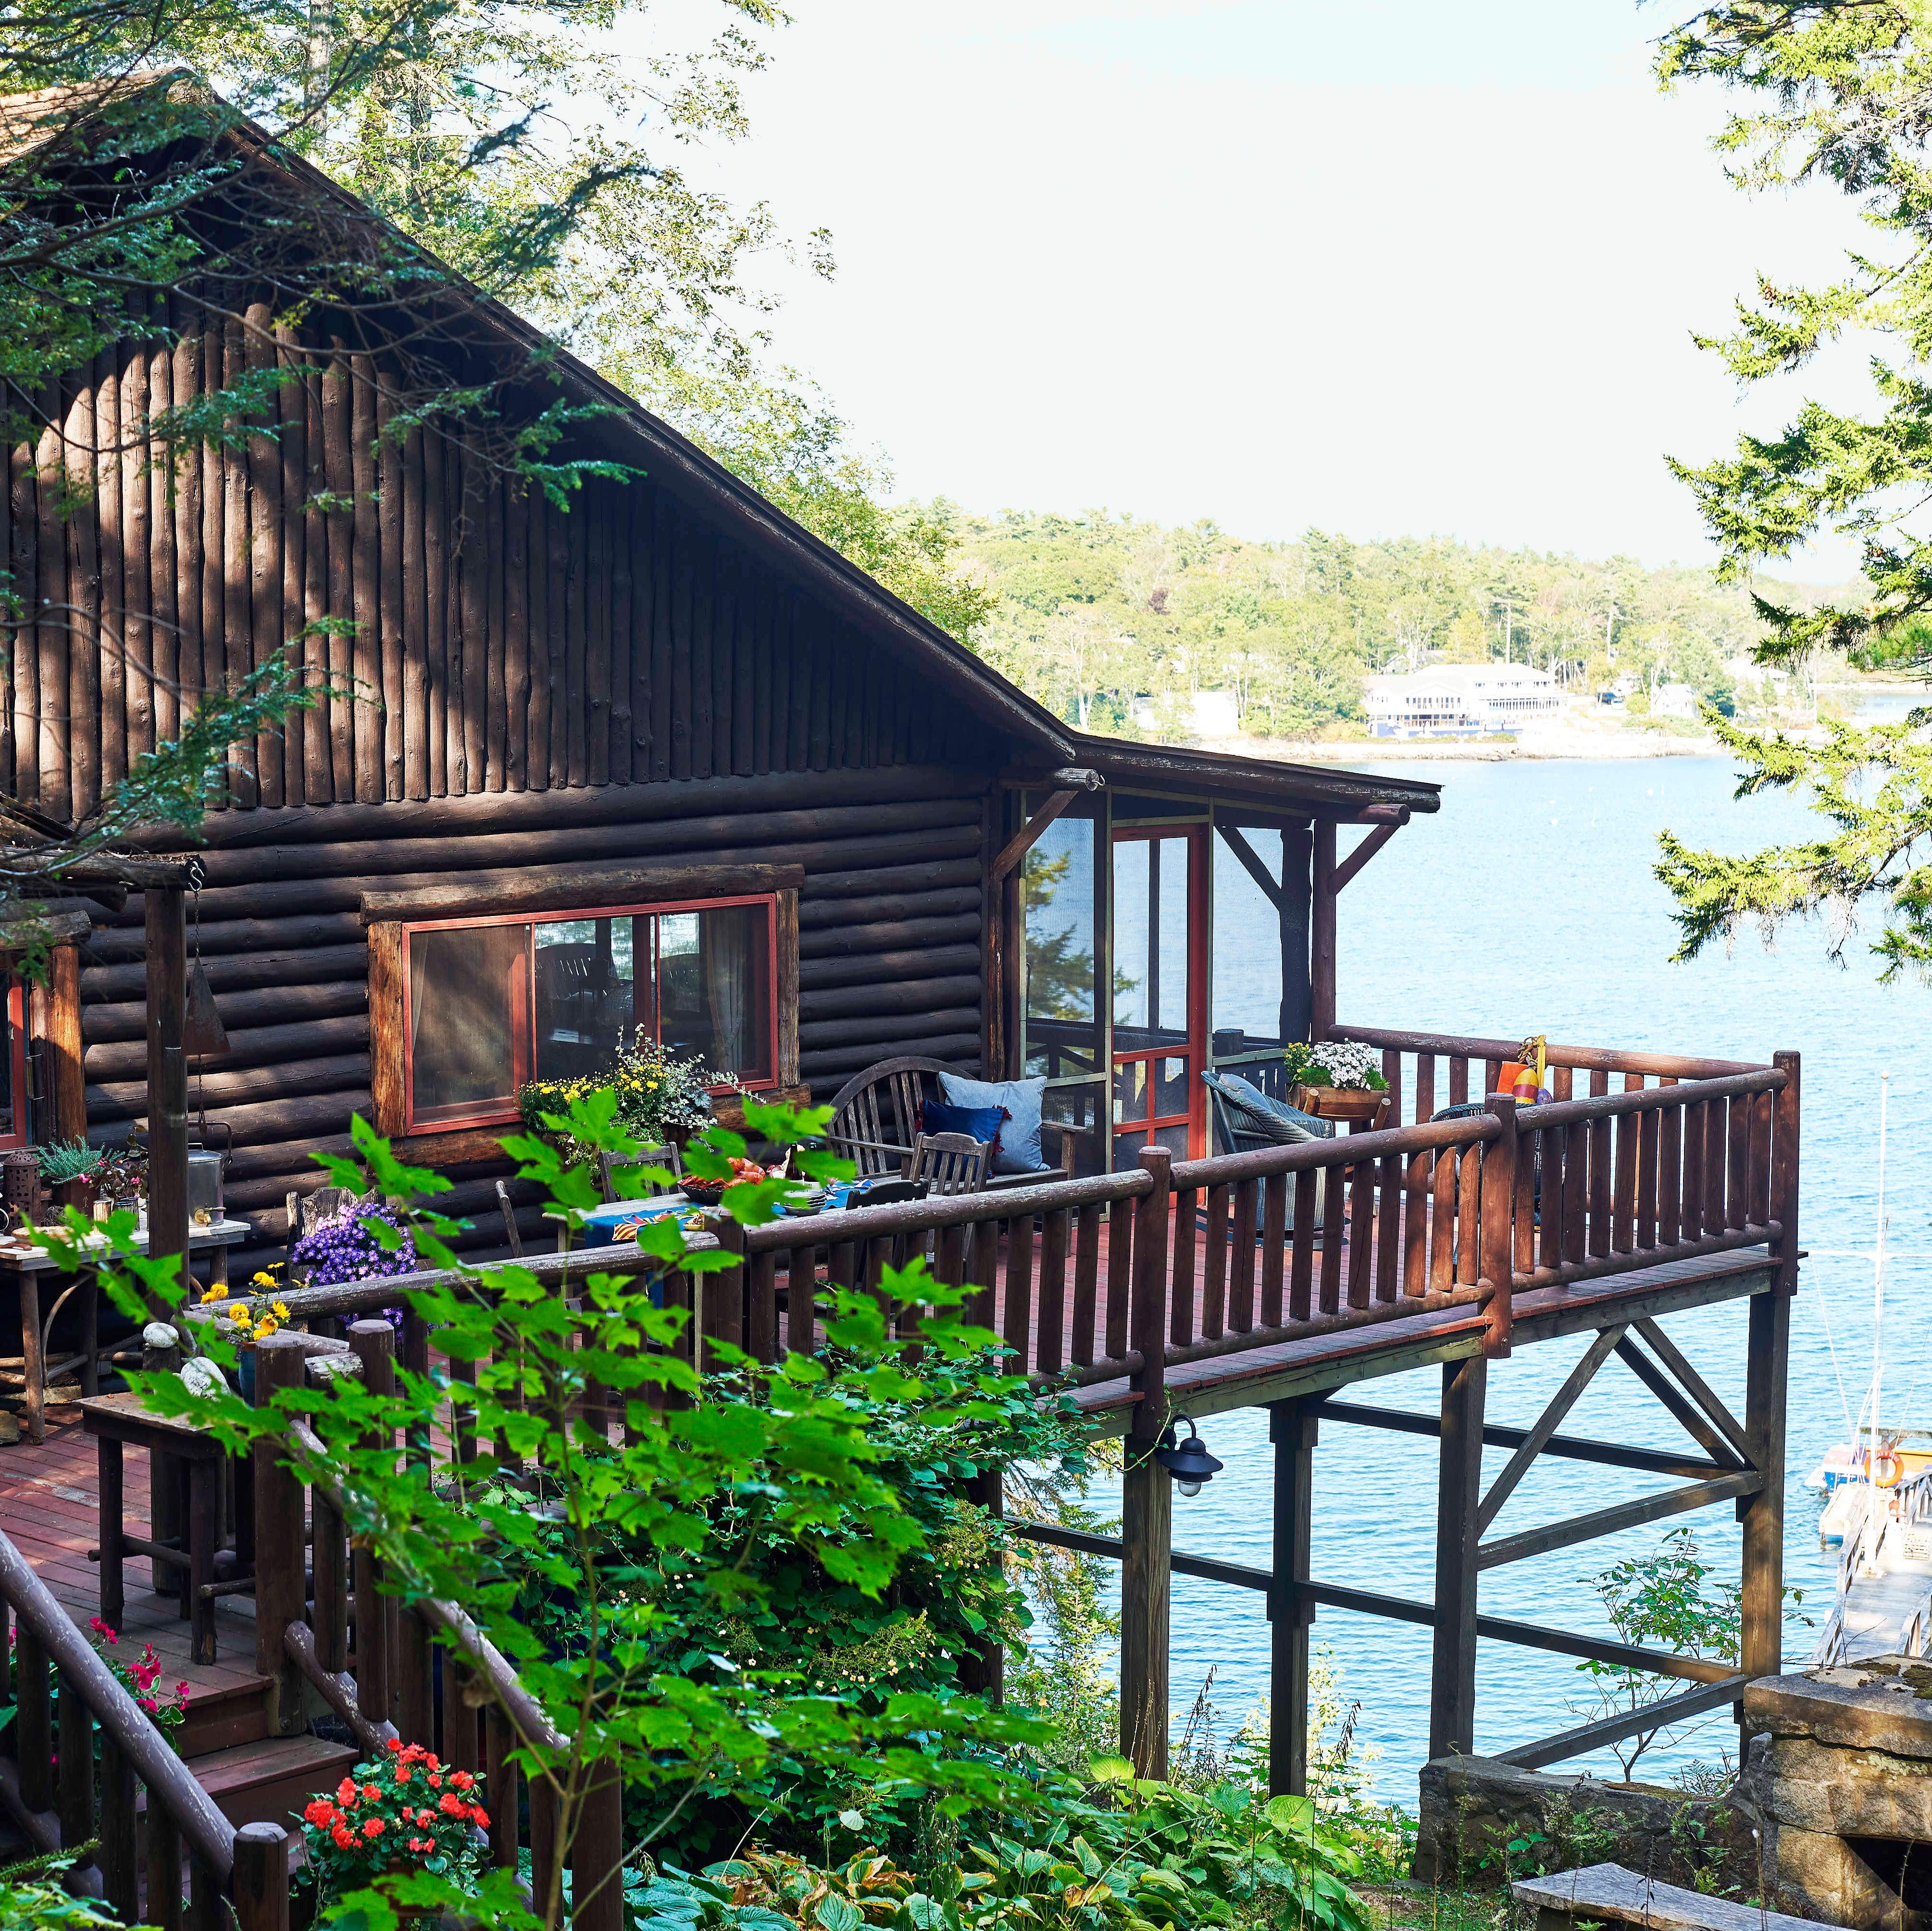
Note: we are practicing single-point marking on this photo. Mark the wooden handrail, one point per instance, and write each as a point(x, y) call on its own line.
point(518, 1704)
point(1552, 1113)
point(337, 1691)
point(1342, 1150)
point(209, 1835)
point(1591, 1058)
point(1475, 1297)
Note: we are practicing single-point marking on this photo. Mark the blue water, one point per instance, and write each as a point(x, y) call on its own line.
point(1528, 905)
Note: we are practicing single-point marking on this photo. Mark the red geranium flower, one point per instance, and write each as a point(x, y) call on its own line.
point(372, 1826)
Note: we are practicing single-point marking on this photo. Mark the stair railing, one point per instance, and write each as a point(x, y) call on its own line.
point(327, 1624)
point(59, 1805)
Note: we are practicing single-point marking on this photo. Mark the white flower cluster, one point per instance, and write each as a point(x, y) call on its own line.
point(1348, 1064)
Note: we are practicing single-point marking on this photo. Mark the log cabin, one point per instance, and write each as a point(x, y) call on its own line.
point(654, 754)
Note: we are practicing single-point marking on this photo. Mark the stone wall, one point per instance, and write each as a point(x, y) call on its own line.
point(1474, 1808)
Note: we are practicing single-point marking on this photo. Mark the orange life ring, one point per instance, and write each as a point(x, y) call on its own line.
point(1882, 1456)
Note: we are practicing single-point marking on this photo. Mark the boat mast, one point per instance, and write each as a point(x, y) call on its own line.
point(1872, 1505)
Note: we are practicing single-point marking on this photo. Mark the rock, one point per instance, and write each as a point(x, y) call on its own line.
point(158, 1334)
point(200, 1376)
point(62, 1393)
point(10, 1429)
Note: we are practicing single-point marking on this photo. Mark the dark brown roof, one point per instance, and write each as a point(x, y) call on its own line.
point(674, 463)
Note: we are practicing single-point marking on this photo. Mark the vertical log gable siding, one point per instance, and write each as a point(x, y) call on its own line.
point(612, 682)
point(499, 644)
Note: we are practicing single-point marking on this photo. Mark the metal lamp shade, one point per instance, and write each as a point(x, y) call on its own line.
point(203, 1035)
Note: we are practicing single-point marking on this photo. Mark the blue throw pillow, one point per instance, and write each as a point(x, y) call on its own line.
point(980, 1123)
point(1021, 1100)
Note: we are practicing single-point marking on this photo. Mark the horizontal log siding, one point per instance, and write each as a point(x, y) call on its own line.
point(503, 644)
point(890, 943)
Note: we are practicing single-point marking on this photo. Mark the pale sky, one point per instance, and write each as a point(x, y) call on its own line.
point(1391, 267)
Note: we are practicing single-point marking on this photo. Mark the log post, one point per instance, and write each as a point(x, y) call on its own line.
point(60, 1043)
point(281, 1593)
point(1292, 1428)
point(1322, 934)
point(261, 1876)
point(166, 939)
point(1452, 1691)
point(597, 1852)
point(1148, 1493)
point(373, 1343)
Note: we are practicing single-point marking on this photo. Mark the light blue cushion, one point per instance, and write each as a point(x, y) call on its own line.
point(1023, 1100)
point(1285, 1125)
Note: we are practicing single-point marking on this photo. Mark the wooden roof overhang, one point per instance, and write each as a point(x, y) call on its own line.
point(481, 328)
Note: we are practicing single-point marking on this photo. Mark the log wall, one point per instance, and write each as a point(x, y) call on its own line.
point(889, 943)
point(493, 641)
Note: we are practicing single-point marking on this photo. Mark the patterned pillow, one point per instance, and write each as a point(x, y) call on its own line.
point(1275, 1119)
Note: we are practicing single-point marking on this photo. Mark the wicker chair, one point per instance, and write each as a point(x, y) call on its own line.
point(875, 1122)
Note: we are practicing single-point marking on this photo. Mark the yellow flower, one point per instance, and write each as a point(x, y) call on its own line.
point(238, 1314)
point(265, 1327)
point(281, 1310)
point(218, 1292)
point(264, 1279)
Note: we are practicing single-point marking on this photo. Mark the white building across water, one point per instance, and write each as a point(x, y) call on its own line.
point(1460, 700)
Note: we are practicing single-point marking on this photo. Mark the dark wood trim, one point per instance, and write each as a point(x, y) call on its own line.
point(1618, 1515)
point(785, 1047)
point(1363, 853)
point(1573, 1448)
point(388, 1059)
point(1321, 935)
point(60, 1043)
point(565, 887)
point(1029, 834)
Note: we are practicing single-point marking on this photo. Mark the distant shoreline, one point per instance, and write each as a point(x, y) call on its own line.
point(1571, 746)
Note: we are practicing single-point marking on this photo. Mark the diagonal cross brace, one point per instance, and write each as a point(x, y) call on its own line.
point(1534, 1443)
point(1691, 1417)
point(1696, 1387)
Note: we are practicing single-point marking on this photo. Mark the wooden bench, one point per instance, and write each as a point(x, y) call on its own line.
point(1609, 1894)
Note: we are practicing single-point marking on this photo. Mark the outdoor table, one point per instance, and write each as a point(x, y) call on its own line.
point(25, 1268)
point(183, 1454)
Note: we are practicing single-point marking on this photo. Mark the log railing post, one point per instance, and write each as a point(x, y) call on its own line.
point(261, 1876)
point(1458, 1495)
point(597, 1852)
point(1146, 1499)
point(33, 1722)
point(281, 1591)
point(1496, 1224)
point(1292, 1428)
point(373, 1343)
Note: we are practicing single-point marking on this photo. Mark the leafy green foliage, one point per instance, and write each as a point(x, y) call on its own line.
point(716, 1498)
point(1827, 94)
point(1664, 1600)
point(1116, 624)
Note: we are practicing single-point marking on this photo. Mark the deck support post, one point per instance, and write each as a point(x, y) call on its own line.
point(281, 1592)
point(166, 949)
point(1452, 1691)
point(1322, 934)
point(1762, 1648)
point(1292, 1429)
point(1147, 1502)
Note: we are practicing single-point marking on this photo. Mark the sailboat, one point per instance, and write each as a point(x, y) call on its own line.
point(1878, 1508)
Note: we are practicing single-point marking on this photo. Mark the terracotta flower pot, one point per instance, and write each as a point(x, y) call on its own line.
point(76, 1194)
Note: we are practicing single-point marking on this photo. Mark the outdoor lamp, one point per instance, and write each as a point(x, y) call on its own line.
point(1190, 1465)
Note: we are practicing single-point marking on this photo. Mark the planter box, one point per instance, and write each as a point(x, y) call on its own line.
point(1363, 1104)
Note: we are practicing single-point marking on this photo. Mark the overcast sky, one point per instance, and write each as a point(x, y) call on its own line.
point(1389, 266)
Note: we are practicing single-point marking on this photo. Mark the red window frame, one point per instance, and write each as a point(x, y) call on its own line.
point(17, 1024)
point(523, 1020)
point(1195, 1051)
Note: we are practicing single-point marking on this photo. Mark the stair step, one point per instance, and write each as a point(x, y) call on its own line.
point(220, 1719)
point(268, 1780)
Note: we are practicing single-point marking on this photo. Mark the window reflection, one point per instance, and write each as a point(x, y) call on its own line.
point(1062, 1034)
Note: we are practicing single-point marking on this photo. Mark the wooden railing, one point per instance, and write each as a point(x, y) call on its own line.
point(64, 1795)
point(370, 1654)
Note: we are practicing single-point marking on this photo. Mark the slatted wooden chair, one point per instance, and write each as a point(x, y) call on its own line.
point(950, 1163)
point(875, 1120)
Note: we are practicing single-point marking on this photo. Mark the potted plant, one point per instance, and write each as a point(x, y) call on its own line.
point(1336, 1080)
point(661, 1101)
point(342, 1247)
point(71, 1168)
point(403, 1811)
point(253, 1318)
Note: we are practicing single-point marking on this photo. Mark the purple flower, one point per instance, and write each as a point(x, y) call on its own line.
point(341, 1248)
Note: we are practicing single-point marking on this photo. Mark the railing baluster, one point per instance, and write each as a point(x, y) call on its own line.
point(1623, 1202)
point(1119, 1272)
point(546, 1839)
point(1181, 1271)
point(761, 1336)
point(1497, 1240)
point(1669, 1169)
point(1492, 1073)
point(1758, 1211)
point(1737, 1187)
point(120, 1880)
point(1647, 1127)
point(74, 1790)
point(1388, 1227)
point(164, 1867)
point(1695, 1136)
point(1425, 1087)
point(1442, 1223)
point(597, 1853)
point(1051, 1347)
point(1528, 1149)
point(462, 1730)
point(414, 1359)
point(261, 1878)
point(416, 1717)
point(1017, 1325)
point(1415, 1204)
point(1241, 1294)
point(329, 1556)
point(1274, 1245)
point(801, 1299)
point(1086, 1281)
point(34, 1723)
point(1458, 1081)
point(1334, 1235)
point(1600, 1197)
point(500, 1786)
point(1392, 1076)
point(1301, 1267)
point(1468, 1216)
point(1214, 1285)
point(373, 1343)
point(1361, 1230)
point(207, 1909)
point(1717, 1149)
point(1149, 1287)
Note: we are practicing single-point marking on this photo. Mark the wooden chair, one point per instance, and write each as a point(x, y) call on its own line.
point(608, 1169)
point(875, 1122)
point(509, 1213)
point(950, 1163)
